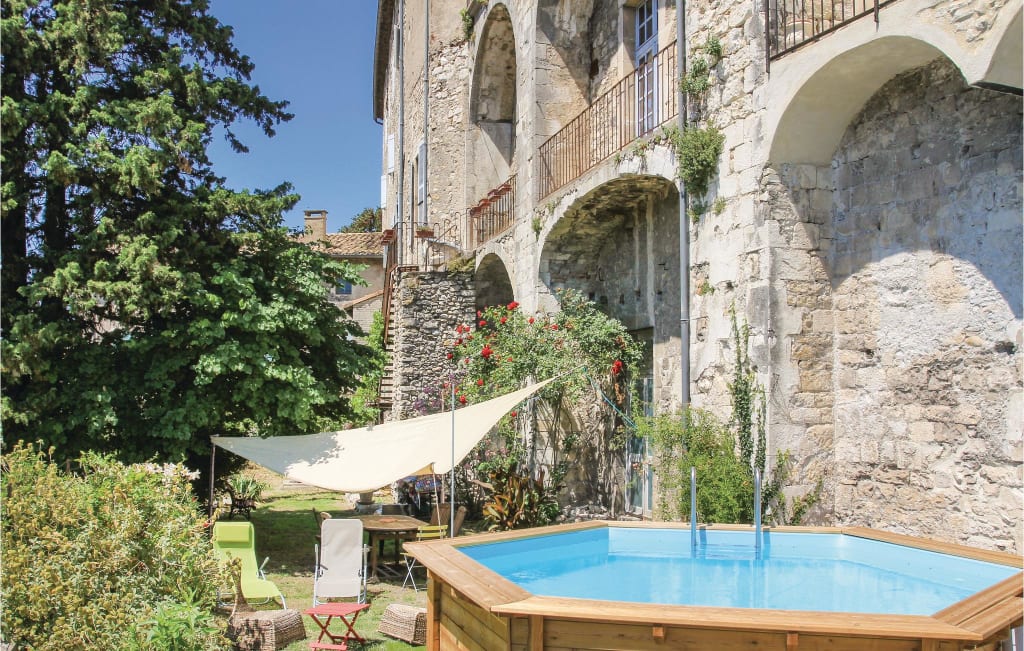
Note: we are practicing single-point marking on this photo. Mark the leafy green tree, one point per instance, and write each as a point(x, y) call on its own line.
point(364, 400)
point(146, 306)
point(367, 221)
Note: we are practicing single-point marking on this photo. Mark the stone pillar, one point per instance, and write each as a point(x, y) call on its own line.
point(427, 307)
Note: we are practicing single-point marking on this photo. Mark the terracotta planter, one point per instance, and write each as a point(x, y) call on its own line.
point(387, 236)
point(424, 232)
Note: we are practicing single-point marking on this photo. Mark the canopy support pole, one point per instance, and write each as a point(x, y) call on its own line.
point(213, 457)
point(451, 487)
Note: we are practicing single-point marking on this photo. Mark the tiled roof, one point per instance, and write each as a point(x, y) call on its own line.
point(360, 244)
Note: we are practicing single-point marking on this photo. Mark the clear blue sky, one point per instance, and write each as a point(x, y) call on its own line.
point(318, 55)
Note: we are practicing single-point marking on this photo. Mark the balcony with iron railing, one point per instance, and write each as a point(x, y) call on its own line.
point(792, 23)
point(634, 107)
point(493, 214)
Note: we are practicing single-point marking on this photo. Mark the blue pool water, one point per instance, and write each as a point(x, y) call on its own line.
point(795, 571)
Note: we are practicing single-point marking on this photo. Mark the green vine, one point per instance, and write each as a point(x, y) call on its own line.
point(467, 24)
point(725, 456)
point(697, 80)
point(747, 395)
point(697, 153)
point(536, 224)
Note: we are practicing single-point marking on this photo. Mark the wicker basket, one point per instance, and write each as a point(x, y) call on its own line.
point(266, 630)
point(407, 623)
point(260, 630)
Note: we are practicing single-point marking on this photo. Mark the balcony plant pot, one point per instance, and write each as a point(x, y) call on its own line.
point(387, 236)
point(424, 231)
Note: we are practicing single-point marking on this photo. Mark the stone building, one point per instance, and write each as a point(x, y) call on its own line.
point(361, 249)
point(864, 218)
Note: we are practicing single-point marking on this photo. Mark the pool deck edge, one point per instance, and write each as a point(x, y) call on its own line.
point(973, 620)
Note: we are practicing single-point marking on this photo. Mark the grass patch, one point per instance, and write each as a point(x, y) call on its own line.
point(286, 532)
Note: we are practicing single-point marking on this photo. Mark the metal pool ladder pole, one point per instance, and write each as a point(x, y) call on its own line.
point(757, 513)
point(693, 509)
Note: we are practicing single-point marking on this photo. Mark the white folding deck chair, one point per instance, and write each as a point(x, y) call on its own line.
point(340, 561)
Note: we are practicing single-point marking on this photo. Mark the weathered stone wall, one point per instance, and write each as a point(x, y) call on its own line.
point(926, 266)
point(730, 259)
point(448, 107)
point(427, 307)
point(971, 19)
point(882, 293)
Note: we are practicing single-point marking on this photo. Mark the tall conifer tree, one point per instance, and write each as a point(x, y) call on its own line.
point(147, 306)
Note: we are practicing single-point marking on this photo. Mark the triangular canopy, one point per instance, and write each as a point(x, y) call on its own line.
point(365, 459)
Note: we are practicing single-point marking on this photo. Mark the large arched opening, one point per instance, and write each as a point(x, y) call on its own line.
point(492, 282)
point(491, 142)
point(898, 306)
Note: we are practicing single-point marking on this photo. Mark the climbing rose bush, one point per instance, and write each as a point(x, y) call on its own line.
point(105, 557)
point(504, 349)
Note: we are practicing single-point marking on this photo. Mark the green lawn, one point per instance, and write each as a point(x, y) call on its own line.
point(286, 530)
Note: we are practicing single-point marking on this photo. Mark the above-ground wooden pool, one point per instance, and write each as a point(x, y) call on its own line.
point(473, 608)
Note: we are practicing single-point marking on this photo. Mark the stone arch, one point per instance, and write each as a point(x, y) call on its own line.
point(618, 245)
point(815, 91)
point(899, 310)
point(492, 282)
point(816, 115)
point(491, 142)
point(1005, 65)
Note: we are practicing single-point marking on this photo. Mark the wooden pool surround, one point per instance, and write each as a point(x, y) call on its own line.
point(471, 608)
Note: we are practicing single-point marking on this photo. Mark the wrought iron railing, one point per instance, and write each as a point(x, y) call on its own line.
point(434, 245)
point(635, 106)
point(390, 277)
point(493, 214)
point(428, 247)
point(791, 23)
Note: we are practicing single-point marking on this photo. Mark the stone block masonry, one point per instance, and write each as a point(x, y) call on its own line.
point(427, 307)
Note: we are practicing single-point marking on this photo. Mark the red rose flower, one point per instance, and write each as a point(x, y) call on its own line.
point(462, 400)
point(530, 320)
point(479, 314)
point(513, 413)
point(554, 326)
point(449, 355)
point(510, 359)
point(503, 320)
point(487, 351)
point(513, 305)
point(480, 382)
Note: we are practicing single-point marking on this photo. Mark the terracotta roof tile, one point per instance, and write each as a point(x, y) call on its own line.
point(356, 244)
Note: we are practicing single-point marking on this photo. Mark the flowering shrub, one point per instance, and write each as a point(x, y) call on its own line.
point(512, 348)
point(105, 559)
point(505, 349)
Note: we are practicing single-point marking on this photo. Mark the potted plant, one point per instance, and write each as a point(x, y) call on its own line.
point(245, 491)
point(387, 236)
point(422, 230)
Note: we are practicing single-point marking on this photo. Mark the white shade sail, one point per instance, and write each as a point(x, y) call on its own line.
point(365, 459)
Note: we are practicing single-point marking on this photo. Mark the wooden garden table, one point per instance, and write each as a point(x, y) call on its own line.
point(384, 527)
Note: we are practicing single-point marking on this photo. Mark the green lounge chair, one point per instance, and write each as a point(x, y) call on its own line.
point(238, 540)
